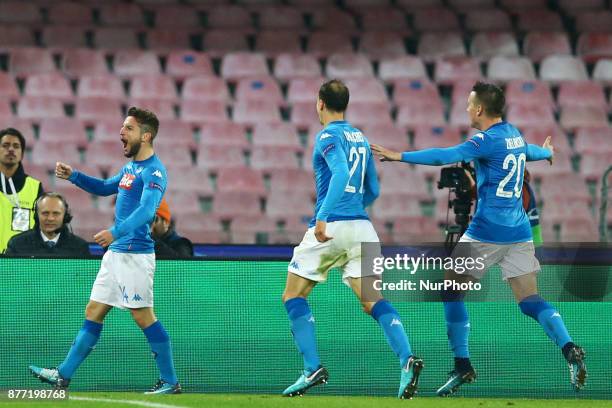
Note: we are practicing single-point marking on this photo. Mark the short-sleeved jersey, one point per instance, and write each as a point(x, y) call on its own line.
point(350, 144)
point(135, 177)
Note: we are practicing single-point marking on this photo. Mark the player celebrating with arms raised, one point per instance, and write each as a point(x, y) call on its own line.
point(125, 279)
point(499, 232)
point(334, 239)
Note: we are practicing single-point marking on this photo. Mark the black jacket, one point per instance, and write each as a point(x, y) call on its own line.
point(172, 245)
point(30, 243)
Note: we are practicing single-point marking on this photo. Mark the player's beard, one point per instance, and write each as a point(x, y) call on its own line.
point(134, 149)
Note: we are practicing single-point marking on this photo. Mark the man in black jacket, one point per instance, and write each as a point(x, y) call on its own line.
point(50, 235)
point(168, 244)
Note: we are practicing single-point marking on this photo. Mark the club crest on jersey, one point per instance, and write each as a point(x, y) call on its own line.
point(126, 181)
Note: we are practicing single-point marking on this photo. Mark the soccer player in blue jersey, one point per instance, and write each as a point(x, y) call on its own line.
point(499, 232)
point(125, 279)
point(346, 183)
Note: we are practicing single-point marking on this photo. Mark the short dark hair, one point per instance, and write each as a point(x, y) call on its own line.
point(17, 134)
point(335, 95)
point(491, 97)
point(146, 119)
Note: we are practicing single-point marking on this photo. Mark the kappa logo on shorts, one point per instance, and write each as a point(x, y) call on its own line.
point(136, 298)
point(294, 265)
point(126, 181)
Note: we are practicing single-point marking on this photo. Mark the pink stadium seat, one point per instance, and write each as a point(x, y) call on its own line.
point(304, 115)
point(437, 45)
point(530, 115)
point(83, 61)
point(153, 87)
point(39, 108)
point(572, 7)
point(175, 154)
point(593, 140)
point(451, 69)
point(203, 111)
point(8, 87)
point(461, 91)
point(515, 6)
point(131, 63)
point(16, 36)
point(333, 19)
point(445, 19)
point(603, 71)
point(487, 20)
point(345, 66)
point(389, 136)
point(234, 17)
point(593, 166)
point(23, 125)
point(63, 36)
point(594, 46)
point(553, 188)
point(252, 112)
point(19, 12)
point(366, 113)
point(594, 21)
point(78, 198)
point(581, 93)
point(436, 136)
point(415, 115)
point(247, 229)
point(561, 168)
point(415, 92)
point(304, 90)
point(391, 206)
point(413, 5)
point(52, 152)
point(539, 20)
point(107, 131)
point(382, 44)
point(188, 178)
point(223, 134)
point(408, 230)
point(490, 44)
point(218, 43)
point(176, 16)
point(183, 64)
point(358, 5)
point(322, 44)
point(292, 179)
point(62, 130)
point(259, 88)
point(121, 14)
point(464, 6)
point(164, 109)
point(41, 172)
point(281, 204)
point(292, 66)
point(168, 39)
point(240, 179)
point(537, 135)
point(52, 85)
point(27, 61)
point(220, 156)
point(458, 115)
point(276, 134)
point(95, 109)
point(205, 88)
point(274, 42)
point(175, 132)
point(366, 90)
point(404, 67)
point(504, 69)
point(69, 13)
point(114, 38)
point(579, 230)
point(580, 116)
point(384, 19)
point(232, 204)
point(184, 202)
point(201, 230)
point(280, 18)
point(267, 158)
point(529, 92)
point(100, 86)
point(243, 65)
point(5, 110)
point(539, 45)
point(404, 180)
point(106, 155)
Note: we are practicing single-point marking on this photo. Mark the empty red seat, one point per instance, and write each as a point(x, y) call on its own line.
point(164, 40)
point(199, 229)
point(220, 156)
point(176, 16)
point(292, 66)
point(280, 18)
point(205, 88)
point(8, 87)
point(62, 130)
point(240, 179)
point(348, 66)
point(553, 188)
point(184, 202)
point(259, 88)
point(382, 44)
point(487, 20)
point(415, 115)
point(11, 36)
point(291, 179)
point(26, 61)
point(5, 110)
point(461, 91)
point(100, 86)
point(163, 109)
point(581, 93)
point(530, 115)
point(504, 69)
point(366, 90)
point(23, 125)
point(64, 36)
point(304, 89)
point(415, 92)
point(465, 6)
point(440, 44)
point(174, 154)
point(304, 115)
point(445, 19)
point(334, 19)
point(593, 139)
point(39, 108)
point(384, 19)
point(593, 165)
point(581, 116)
point(413, 5)
point(322, 44)
point(361, 113)
point(603, 71)
point(406, 181)
point(182, 64)
point(561, 166)
point(574, 7)
point(241, 65)
point(275, 134)
point(231, 204)
point(539, 45)
point(52, 85)
point(107, 131)
point(253, 229)
point(94, 109)
point(436, 136)
point(234, 17)
point(594, 46)
point(418, 230)
point(153, 86)
point(188, 178)
point(271, 43)
point(223, 134)
point(537, 134)
point(490, 44)
point(121, 14)
point(131, 63)
point(540, 19)
point(579, 230)
point(391, 206)
point(268, 158)
point(458, 115)
point(283, 204)
point(19, 12)
point(83, 61)
point(115, 38)
point(203, 111)
point(451, 69)
point(48, 153)
point(69, 13)
point(594, 21)
point(515, 6)
point(174, 132)
point(404, 67)
point(251, 112)
point(529, 92)
point(106, 155)
point(218, 43)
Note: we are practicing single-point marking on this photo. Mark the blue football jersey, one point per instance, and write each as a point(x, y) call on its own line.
point(343, 147)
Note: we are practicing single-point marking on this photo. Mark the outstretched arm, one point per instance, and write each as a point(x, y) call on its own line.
point(466, 151)
point(93, 185)
point(546, 152)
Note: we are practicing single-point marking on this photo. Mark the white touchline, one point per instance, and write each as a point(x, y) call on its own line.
point(130, 402)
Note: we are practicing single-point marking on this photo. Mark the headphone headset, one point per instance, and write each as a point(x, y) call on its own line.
point(67, 215)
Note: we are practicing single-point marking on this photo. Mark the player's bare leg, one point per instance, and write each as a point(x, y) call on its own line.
point(525, 289)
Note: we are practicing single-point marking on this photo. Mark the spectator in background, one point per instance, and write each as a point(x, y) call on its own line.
point(530, 206)
point(168, 244)
point(19, 191)
point(50, 235)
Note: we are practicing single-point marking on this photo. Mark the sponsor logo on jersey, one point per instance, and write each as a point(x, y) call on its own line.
point(126, 181)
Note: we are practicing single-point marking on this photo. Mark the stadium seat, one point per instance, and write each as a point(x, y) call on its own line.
point(229, 17)
point(461, 91)
point(572, 7)
point(464, 6)
point(62, 130)
point(252, 229)
point(562, 166)
point(183, 203)
point(581, 93)
point(594, 46)
point(445, 19)
point(274, 42)
point(404, 180)
point(268, 158)
point(391, 206)
point(231, 204)
point(594, 21)
point(603, 71)
point(240, 179)
point(19, 12)
point(205, 88)
point(100, 86)
point(174, 154)
point(415, 115)
point(165, 40)
point(504, 69)
point(39, 108)
point(200, 230)
point(116, 38)
point(293, 66)
point(260, 88)
point(8, 87)
point(95, 109)
point(280, 18)
point(52, 85)
point(450, 69)
point(436, 136)
point(557, 68)
point(416, 230)
point(23, 125)
point(304, 115)
point(291, 179)
point(176, 16)
point(415, 92)
point(5, 110)
point(593, 165)
point(404, 67)
point(26, 61)
point(220, 156)
point(529, 93)
point(69, 13)
point(537, 134)
point(239, 65)
point(365, 113)
point(164, 109)
point(579, 230)
point(487, 20)
point(580, 116)
point(48, 153)
point(183, 64)
point(252, 112)
point(11, 36)
point(333, 19)
point(556, 211)
point(382, 44)
point(174, 132)
point(275, 134)
point(387, 135)
point(153, 86)
point(458, 115)
point(304, 90)
point(188, 178)
point(553, 188)
point(203, 111)
point(283, 204)
point(222, 134)
point(59, 36)
point(322, 44)
point(413, 5)
point(540, 19)
point(539, 45)
point(218, 43)
point(489, 44)
point(132, 63)
point(83, 61)
point(434, 45)
point(521, 115)
point(344, 66)
point(593, 140)
point(121, 14)
point(107, 131)
point(516, 6)
point(366, 90)
point(384, 19)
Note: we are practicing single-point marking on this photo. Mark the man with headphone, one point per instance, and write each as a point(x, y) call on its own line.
point(50, 235)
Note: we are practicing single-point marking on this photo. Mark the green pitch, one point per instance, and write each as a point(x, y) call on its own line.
point(126, 400)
